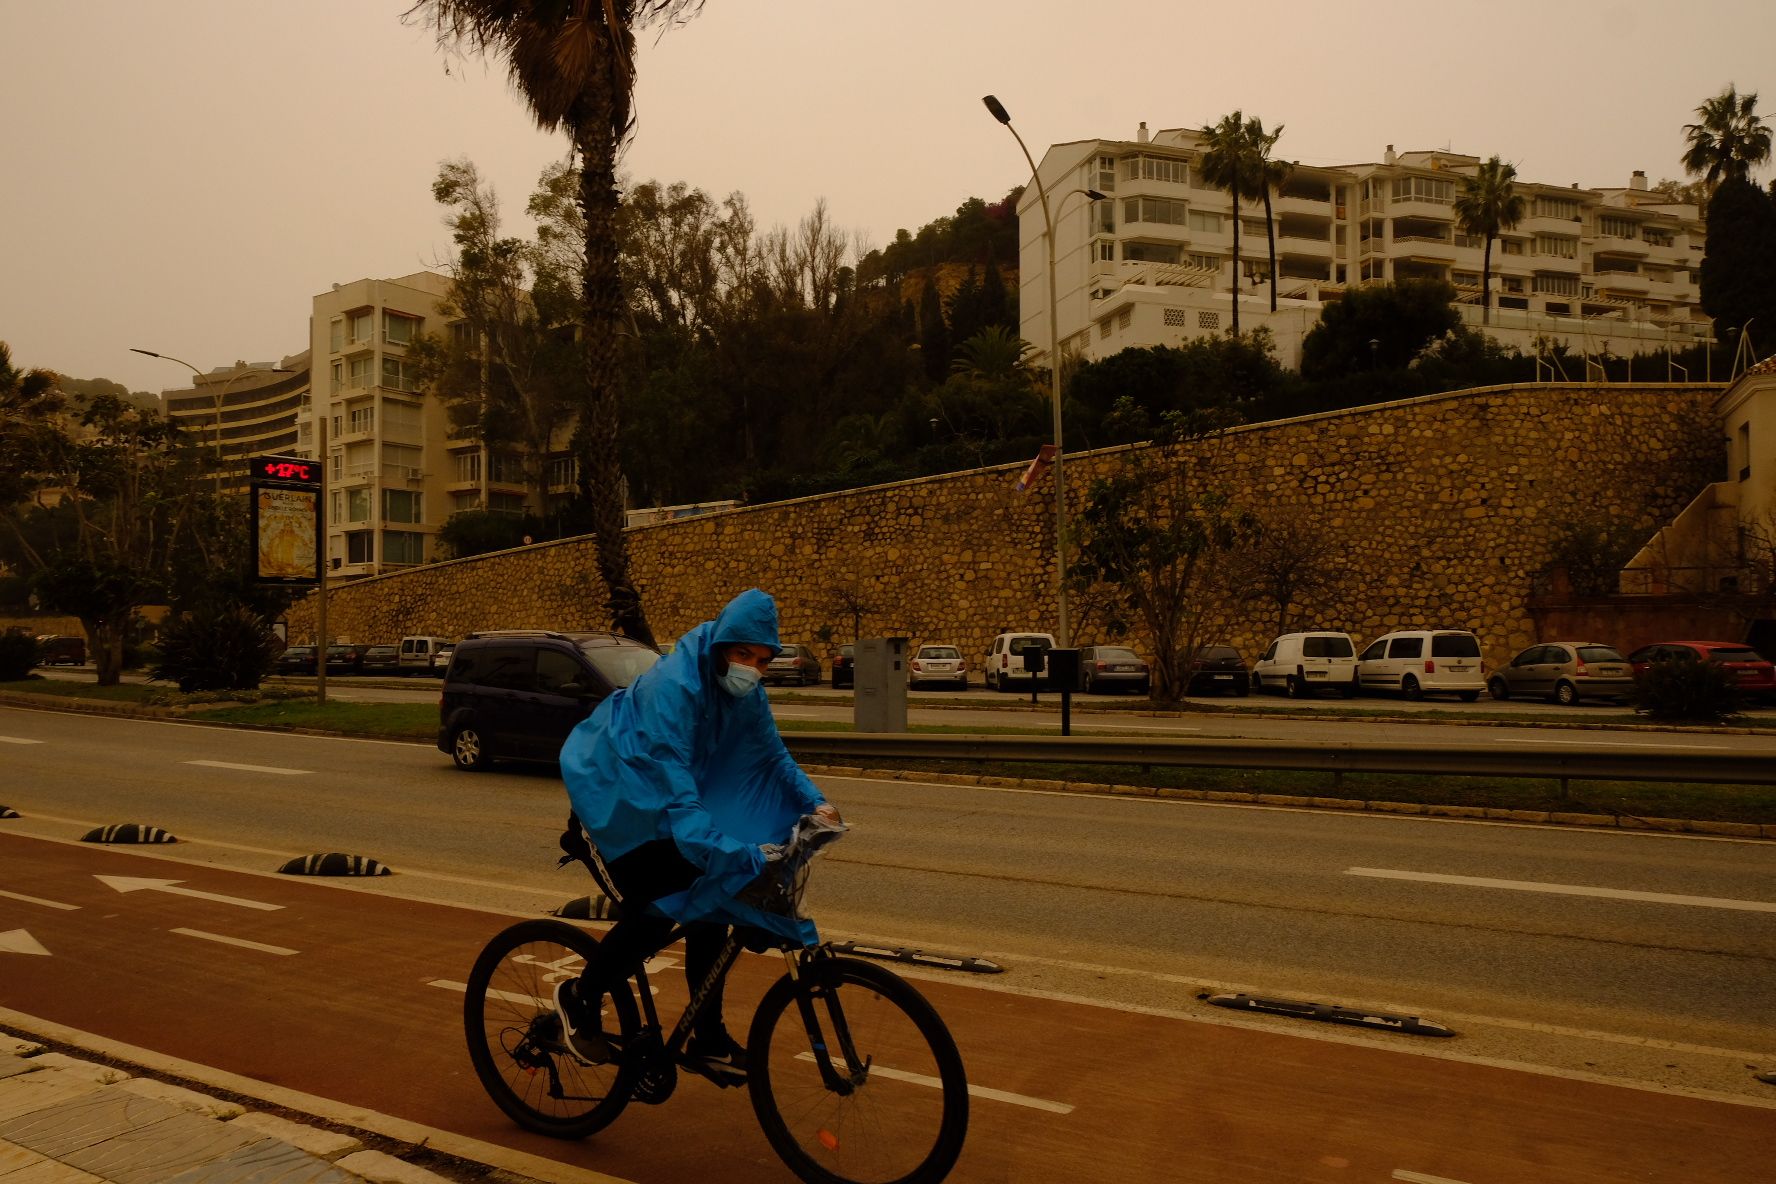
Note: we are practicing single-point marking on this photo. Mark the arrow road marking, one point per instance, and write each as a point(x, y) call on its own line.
point(1707, 902)
point(249, 768)
point(48, 904)
point(132, 884)
point(20, 942)
point(17, 740)
point(242, 942)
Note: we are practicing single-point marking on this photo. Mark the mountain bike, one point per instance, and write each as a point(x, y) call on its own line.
point(852, 1073)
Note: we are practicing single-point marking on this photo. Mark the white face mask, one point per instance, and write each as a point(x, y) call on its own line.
point(740, 680)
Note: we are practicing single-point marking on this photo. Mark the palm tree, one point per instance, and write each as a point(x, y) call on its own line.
point(1225, 164)
point(573, 61)
point(1267, 174)
point(1731, 140)
point(1489, 204)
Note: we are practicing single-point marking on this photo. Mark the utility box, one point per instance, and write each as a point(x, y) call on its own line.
point(1063, 670)
point(879, 701)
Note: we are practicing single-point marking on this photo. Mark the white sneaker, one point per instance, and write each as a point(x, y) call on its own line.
point(583, 1038)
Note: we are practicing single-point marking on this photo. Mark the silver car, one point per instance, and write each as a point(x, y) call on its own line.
point(938, 663)
point(1114, 668)
point(1566, 672)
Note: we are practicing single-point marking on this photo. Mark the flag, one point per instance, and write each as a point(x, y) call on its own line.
point(1044, 458)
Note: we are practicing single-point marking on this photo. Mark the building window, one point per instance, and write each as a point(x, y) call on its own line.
point(1106, 174)
point(357, 504)
point(1517, 302)
point(562, 472)
point(403, 546)
point(363, 419)
point(1206, 262)
point(1208, 320)
point(1176, 318)
point(403, 505)
point(1607, 263)
point(1156, 210)
point(462, 502)
point(338, 377)
point(504, 468)
point(506, 503)
point(468, 466)
point(1557, 285)
point(1107, 251)
point(1610, 226)
point(360, 547)
point(1125, 318)
point(1510, 283)
point(361, 370)
point(1559, 308)
point(398, 374)
point(1205, 221)
point(1557, 245)
point(338, 465)
point(1465, 279)
point(1657, 238)
point(1152, 252)
point(1104, 217)
point(338, 514)
point(336, 334)
point(1104, 328)
point(1510, 246)
point(363, 328)
point(399, 329)
point(402, 462)
point(1431, 189)
point(401, 419)
point(1473, 241)
point(1556, 207)
point(1155, 168)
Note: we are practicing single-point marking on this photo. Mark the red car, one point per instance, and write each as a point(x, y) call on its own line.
point(1754, 673)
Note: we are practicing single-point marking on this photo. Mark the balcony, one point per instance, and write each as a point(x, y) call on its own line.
point(1626, 248)
point(1421, 207)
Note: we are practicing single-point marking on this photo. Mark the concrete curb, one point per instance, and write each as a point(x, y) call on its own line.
point(1742, 830)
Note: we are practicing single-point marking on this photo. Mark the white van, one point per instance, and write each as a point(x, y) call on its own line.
point(1420, 662)
point(1005, 660)
point(418, 655)
point(1299, 664)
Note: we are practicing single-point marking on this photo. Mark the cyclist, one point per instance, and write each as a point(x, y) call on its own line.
point(679, 780)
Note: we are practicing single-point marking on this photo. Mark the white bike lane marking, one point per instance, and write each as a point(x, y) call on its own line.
point(241, 942)
point(272, 769)
point(1707, 902)
point(18, 740)
point(974, 1091)
point(48, 904)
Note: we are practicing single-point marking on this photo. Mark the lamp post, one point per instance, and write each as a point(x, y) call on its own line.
point(1063, 632)
point(216, 401)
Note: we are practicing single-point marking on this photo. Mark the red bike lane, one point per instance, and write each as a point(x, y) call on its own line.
point(355, 996)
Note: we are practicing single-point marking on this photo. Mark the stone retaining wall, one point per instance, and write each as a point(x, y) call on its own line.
point(1445, 508)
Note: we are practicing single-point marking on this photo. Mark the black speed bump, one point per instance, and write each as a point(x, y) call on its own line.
point(1331, 1013)
point(127, 832)
point(969, 963)
point(8, 812)
point(334, 863)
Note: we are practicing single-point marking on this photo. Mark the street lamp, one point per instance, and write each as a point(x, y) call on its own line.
point(1063, 633)
point(241, 372)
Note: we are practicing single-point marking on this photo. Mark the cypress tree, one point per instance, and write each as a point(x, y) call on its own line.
point(965, 308)
point(934, 334)
point(995, 301)
point(1739, 263)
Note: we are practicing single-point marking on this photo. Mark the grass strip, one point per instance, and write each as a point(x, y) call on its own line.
point(129, 692)
point(389, 721)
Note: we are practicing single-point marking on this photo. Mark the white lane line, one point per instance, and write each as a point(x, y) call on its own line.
point(1134, 728)
point(1421, 1178)
point(248, 768)
point(242, 942)
point(48, 904)
point(1602, 743)
point(1706, 902)
point(17, 740)
point(976, 1091)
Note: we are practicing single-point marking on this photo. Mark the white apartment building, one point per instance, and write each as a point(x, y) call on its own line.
point(1602, 270)
point(237, 412)
point(394, 473)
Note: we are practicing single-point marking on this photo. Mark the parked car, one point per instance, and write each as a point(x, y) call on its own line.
point(345, 658)
point(1006, 664)
point(1566, 672)
point(382, 659)
point(515, 694)
point(1217, 669)
point(795, 663)
point(298, 659)
point(1750, 670)
point(844, 667)
point(1299, 664)
point(1107, 668)
point(441, 658)
point(419, 655)
point(937, 663)
point(1420, 662)
point(61, 649)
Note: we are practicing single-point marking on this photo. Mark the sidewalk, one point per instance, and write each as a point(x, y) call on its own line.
point(68, 1121)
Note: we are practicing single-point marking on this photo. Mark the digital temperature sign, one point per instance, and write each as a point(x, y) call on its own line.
point(286, 520)
point(288, 469)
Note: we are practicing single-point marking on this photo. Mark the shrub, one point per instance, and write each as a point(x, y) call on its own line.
point(1696, 691)
point(18, 653)
point(217, 650)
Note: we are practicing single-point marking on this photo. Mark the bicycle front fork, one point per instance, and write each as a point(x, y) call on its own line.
point(807, 992)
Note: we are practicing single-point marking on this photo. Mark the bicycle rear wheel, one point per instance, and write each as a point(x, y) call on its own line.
point(515, 1036)
point(898, 1111)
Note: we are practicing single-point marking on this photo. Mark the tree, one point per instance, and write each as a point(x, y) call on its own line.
point(1738, 273)
point(1288, 558)
point(575, 67)
point(1729, 140)
point(1233, 377)
point(1487, 205)
point(1226, 164)
point(934, 332)
point(1152, 539)
point(1267, 175)
point(1684, 193)
point(1378, 327)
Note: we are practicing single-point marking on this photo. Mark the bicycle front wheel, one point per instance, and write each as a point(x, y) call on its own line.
point(515, 1038)
point(890, 1106)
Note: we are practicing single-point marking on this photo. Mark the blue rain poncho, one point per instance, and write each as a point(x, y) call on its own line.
point(674, 756)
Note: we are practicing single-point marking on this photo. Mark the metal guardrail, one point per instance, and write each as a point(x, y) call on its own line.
point(1571, 762)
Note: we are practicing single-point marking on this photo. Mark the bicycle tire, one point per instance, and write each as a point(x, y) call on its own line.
point(513, 1032)
point(905, 1121)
